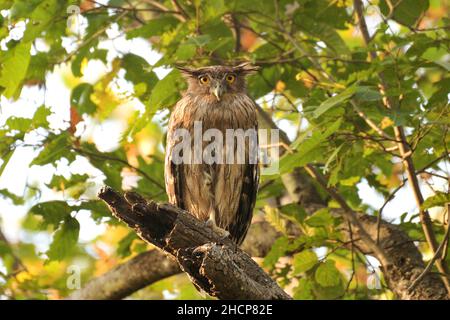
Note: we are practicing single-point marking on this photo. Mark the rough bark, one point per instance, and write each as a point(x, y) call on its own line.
point(128, 277)
point(407, 263)
point(214, 264)
point(152, 266)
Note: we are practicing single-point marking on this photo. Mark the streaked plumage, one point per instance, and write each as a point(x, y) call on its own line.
point(226, 192)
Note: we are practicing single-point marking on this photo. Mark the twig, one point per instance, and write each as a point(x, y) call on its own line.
point(445, 249)
point(432, 261)
point(17, 264)
point(105, 157)
point(380, 211)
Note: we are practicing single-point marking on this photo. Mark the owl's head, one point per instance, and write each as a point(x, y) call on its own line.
point(217, 81)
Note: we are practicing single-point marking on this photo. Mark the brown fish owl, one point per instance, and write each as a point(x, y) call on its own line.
point(222, 193)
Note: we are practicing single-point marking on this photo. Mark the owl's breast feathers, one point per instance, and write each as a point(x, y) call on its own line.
point(229, 189)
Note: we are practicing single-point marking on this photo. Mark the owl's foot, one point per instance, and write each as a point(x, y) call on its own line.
point(222, 232)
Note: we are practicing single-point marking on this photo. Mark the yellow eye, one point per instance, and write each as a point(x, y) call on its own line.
point(231, 78)
point(204, 79)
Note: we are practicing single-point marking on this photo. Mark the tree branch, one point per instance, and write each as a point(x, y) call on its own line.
point(407, 263)
point(210, 260)
point(128, 277)
point(151, 266)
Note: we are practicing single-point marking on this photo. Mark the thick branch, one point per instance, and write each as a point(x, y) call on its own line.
point(152, 266)
point(213, 263)
point(129, 277)
point(407, 263)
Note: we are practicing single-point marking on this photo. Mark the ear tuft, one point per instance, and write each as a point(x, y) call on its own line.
point(246, 68)
point(186, 71)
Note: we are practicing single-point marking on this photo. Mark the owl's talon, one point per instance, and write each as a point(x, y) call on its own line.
point(212, 225)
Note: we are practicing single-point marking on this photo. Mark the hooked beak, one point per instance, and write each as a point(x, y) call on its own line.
point(218, 91)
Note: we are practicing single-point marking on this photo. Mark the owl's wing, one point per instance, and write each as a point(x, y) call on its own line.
point(173, 173)
point(239, 226)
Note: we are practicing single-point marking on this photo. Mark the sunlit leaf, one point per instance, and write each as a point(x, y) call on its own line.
point(327, 275)
point(440, 199)
point(55, 149)
point(14, 68)
point(304, 261)
point(81, 98)
point(64, 239)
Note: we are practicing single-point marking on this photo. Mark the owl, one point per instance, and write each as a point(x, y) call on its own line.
point(221, 193)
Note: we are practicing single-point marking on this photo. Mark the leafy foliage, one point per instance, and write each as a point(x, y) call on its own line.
point(318, 81)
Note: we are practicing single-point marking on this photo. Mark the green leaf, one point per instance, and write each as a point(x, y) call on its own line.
point(304, 290)
point(199, 41)
point(78, 60)
point(139, 71)
point(406, 12)
point(186, 51)
point(98, 209)
point(278, 250)
point(53, 212)
point(6, 4)
point(42, 16)
point(332, 157)
point(61, 183)
point(38, 67)
point(14, 69)
point(338, 99)
point(320, 218)
point(40, 117)
point(273, 216)
point(64, 239)
point(124, 245)
point(327, 275)
point(293, 210)
point(323, 32)
point(23, 8)
point(17, 200)
point(56, 148)
point(367, 94)
point(214, 9)
point(21, 124)
point(81, 99)
point(304, 261)
point(165, 92)
point(307, 149)
point(440, 199)
point(154, 27)
point(5, 159)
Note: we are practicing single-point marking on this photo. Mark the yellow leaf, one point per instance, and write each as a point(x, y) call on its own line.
point(386, 122)
point(280, 86)
point(23, 276)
